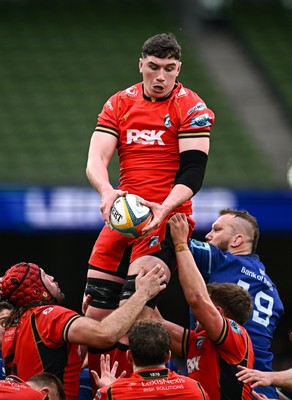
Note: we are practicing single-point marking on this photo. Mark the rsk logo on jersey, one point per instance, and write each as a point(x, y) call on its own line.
point(201, 120)
point(193, 364)
point(146, 136)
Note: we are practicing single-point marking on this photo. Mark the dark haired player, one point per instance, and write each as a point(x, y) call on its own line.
point(149, 349)
point(161, 130)
point(43, 386)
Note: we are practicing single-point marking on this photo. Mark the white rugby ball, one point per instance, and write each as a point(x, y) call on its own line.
point(128, 216)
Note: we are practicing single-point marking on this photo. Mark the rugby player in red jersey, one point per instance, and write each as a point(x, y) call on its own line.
point(149, 349)
point(43, 386)
point(161, 131)
point(42, 336)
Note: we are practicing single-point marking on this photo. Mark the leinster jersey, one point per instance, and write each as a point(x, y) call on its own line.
point(250, 273)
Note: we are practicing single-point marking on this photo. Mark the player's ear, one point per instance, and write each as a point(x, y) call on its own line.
point(220, 309)
point(168, 357)
point(179, 68)
point(140, 64)
point(237, 240)
point(129, 357)
point(45, 390)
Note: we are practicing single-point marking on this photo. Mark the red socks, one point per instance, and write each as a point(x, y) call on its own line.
point(94, 362)
point(121, 356)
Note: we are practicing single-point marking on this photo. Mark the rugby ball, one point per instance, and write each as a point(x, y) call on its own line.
point(128, 216)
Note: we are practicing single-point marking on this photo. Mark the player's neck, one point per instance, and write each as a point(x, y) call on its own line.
point(240, 250)
point(139, 368)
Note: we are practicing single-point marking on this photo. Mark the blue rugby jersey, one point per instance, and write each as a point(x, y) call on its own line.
point(249, 272)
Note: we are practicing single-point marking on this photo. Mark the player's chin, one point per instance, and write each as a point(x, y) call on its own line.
point(159, 94)
point(60, 297)
point(159, 91)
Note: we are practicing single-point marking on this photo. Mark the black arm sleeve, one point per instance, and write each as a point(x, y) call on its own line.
point(192, 169)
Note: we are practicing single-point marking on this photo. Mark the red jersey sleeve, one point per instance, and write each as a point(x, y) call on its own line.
point(53, 322)
point(196, 118)
point(233, 343)
point(108, 119)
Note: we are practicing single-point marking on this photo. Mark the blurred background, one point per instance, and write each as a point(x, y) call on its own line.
point(59, 62)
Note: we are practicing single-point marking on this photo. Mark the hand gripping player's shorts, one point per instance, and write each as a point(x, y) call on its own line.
point(113, 252)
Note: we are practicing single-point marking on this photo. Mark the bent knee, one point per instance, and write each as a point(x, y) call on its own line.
point(148, 262)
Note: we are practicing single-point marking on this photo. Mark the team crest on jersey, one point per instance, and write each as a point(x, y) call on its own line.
point(201, 120)
point(182, 92)
point(198, 106)
point(199, 342)
point(154, 240)
point(167, 121)
point(132, 91)
point(235, 327)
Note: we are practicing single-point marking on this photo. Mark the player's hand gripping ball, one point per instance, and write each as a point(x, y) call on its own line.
point(128, 216)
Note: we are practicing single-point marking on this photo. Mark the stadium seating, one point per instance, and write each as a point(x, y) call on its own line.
point(265, 28)
point(60, 61)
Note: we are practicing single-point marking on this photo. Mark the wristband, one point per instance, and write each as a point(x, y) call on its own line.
point(181, 247)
